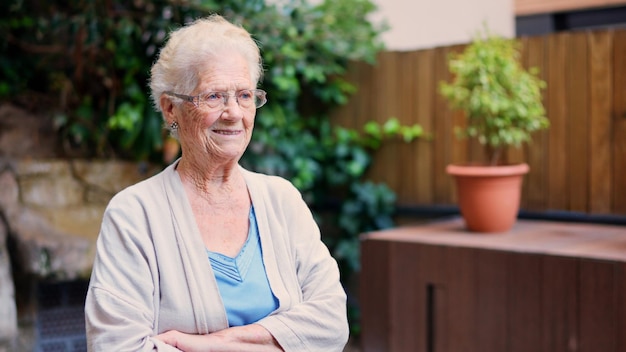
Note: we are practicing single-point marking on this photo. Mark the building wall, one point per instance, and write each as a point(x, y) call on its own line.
point(432, 23)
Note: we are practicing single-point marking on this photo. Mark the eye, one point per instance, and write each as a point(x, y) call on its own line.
point(244, 95)
point(213, 97)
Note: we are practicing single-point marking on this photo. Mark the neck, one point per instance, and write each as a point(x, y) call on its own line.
point(209, 180)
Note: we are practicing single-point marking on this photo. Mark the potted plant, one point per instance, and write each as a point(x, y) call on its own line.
point(502, 104)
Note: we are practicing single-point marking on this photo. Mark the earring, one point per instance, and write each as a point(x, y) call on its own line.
point(174, 125)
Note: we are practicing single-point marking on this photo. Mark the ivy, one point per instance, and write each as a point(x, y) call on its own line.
point(92, 60)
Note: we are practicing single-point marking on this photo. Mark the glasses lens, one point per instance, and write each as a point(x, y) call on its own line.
point(259, 98)
point(249, 98)
point(245, 98)
point(213, 99)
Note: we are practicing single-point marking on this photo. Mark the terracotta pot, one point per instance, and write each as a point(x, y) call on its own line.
point(489, 196)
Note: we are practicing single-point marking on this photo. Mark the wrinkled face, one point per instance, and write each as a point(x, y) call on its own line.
point(224, 132)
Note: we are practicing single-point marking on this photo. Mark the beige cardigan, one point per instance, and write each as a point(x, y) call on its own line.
point(151, 273)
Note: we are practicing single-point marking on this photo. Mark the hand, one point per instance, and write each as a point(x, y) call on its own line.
point(242, 338)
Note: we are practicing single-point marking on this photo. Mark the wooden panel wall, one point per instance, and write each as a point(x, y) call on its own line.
point(530, 7)
point(577, 165)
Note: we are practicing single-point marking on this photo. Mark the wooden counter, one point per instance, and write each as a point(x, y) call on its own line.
point(544, 286)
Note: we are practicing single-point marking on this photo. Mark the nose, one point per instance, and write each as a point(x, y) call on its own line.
point(231, 107)
point(230, 97)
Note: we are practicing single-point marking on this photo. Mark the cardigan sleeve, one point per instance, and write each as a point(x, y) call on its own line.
point(318, 322)
point(120, 307)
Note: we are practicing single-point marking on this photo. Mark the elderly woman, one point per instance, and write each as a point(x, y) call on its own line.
point(207, 256)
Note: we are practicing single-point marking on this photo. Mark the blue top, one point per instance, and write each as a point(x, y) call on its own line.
point(242, 281)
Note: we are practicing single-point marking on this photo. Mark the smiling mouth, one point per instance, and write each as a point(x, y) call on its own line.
point(227, 132)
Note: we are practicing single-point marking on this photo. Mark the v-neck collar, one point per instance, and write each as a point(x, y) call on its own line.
point(236, 268)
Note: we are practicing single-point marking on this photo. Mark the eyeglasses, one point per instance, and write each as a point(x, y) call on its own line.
point(246, 98)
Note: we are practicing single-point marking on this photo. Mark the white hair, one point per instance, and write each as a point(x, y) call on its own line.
point(191, 47)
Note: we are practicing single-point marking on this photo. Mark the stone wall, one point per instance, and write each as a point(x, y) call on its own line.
point(50, 213)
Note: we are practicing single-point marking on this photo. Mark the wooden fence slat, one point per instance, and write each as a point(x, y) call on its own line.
point(619, 123)
point(442, 127)
point(364, 88)
point(577, 64)
point(517, 155)
point(403, 113)
point(358, 74)
point(601, 65)
point(369, 111)
point(557, 113)
point(361, 73)
point(460, 149)
point(535, 186)
point(407, 78)
point(391, 170)
point(424, 113)
point(381, 92)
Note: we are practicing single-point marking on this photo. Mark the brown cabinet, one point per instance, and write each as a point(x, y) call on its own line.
point(542, 287)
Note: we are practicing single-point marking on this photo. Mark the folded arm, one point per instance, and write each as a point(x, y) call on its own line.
point(241, 338)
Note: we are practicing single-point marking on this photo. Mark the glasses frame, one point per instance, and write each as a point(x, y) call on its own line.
point(260, 94)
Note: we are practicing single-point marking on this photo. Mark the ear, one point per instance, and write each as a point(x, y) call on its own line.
point(167, 107)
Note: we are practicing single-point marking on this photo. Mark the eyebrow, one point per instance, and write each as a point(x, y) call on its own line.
point(226, 87)
point(223, 90)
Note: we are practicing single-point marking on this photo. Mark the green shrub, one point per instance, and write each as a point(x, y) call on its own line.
point(501, 100)
point(92, 59)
